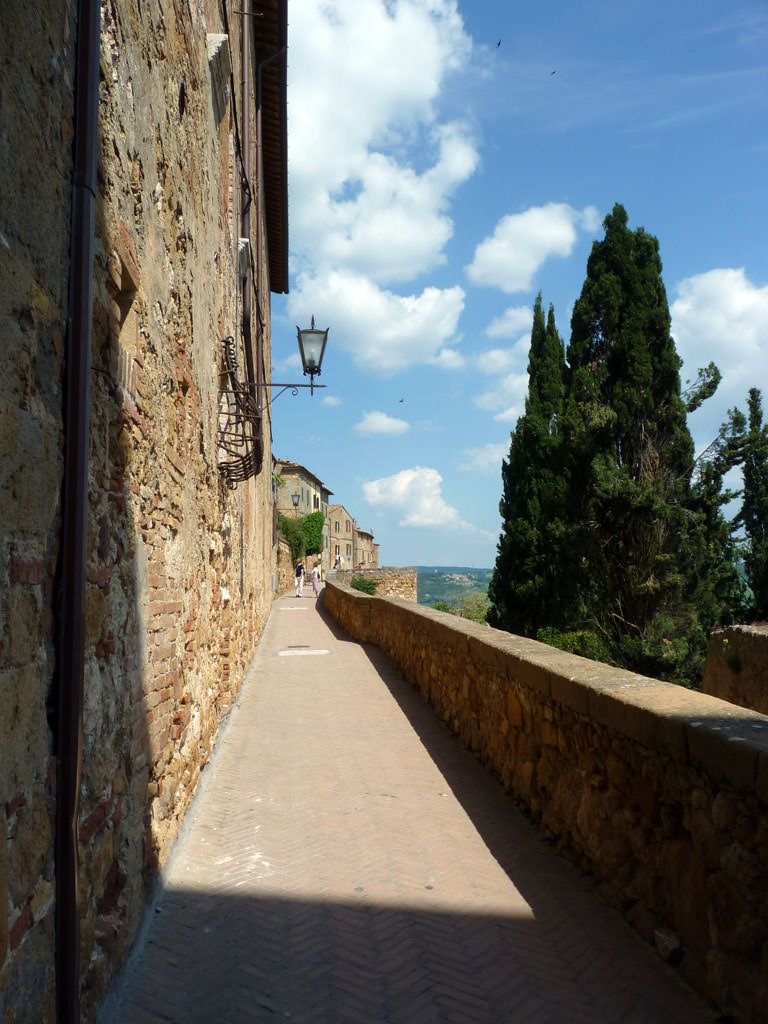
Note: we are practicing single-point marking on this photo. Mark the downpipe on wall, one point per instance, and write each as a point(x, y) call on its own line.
point(70, 632)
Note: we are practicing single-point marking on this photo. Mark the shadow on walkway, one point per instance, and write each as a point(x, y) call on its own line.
point(349, 861)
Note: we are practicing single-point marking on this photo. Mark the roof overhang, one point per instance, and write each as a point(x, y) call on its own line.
point(270, 37)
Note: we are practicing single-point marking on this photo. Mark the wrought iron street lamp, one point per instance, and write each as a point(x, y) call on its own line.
point(312, 348)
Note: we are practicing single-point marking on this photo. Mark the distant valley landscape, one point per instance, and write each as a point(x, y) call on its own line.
point(450, 583)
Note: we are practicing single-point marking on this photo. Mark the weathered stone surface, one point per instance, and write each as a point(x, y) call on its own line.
point(179, 568)
point(391, 582)
point(737, 666)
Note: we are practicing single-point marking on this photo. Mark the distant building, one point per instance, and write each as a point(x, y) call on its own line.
point(366, 550)
point(301, 492)
point(342, 537)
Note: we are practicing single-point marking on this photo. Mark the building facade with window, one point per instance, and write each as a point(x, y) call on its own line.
point(366, 550)
point(300, 492)
point(342, 537)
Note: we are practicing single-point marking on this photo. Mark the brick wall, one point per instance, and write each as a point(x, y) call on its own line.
point(658, 792)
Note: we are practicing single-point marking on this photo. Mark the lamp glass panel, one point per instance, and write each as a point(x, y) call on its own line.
point(311, 345)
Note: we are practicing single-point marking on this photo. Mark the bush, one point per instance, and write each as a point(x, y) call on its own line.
point(365, 584)
point(579, 641)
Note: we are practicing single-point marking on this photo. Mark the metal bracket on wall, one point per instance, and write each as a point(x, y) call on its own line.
point(239, 432)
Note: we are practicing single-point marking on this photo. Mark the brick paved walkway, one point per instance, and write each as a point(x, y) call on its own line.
point(347, 861)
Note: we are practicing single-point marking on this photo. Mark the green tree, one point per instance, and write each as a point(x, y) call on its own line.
point(474, 606)
point(753, 515)
point(634, 531)
point(528, 588)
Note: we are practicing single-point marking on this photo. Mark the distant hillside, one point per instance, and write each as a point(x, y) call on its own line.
point(450, 583)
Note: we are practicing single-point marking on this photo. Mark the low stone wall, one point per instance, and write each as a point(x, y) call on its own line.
point(737, 666)
point(401, 583)
point(660, 793)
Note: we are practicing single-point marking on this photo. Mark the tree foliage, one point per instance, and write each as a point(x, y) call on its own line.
point(291, 530)
point(754, 510)
point(526, 587)
point(312, 527)
point(744, 440)
point(613, 537)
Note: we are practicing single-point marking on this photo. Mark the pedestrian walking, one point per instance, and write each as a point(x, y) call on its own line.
point(300, 574)
point(316, 579)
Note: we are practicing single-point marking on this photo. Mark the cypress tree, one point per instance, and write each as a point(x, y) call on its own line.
point(754, 510)
point(527, 587)
point(632, 528)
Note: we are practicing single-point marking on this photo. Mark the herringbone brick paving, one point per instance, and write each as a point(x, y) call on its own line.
point(347, 861)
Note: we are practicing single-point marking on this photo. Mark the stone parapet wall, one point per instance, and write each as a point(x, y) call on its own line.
point(737, 666)
point(401, 583)
point(658, 792)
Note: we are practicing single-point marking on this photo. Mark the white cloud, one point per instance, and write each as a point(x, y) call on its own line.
point(721, 316)
point(372, 169)
point(497, 360)
point(506, 398)
point(395, 227)
point(332, 400)
point(449, 359)
point(380, 423)
point(511, 322)
point(383, 332)
point(486, 459)
point(522, 242)
point(415, 493)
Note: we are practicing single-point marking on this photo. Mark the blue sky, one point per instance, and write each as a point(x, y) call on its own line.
point(447, 161)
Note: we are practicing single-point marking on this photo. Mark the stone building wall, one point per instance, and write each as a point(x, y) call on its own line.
point(341, 535)
point(658, 792)
point(36, 76)
point(737, 666)
point(179, 567)
point(365, 550)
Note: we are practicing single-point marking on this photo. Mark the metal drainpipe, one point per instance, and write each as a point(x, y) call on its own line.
point(245, 232)
point(70, 636)
point(246, 196)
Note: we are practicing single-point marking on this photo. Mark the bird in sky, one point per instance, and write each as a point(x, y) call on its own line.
point(498, 44)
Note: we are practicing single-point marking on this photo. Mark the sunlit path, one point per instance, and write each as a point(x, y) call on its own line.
point(348, 861)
